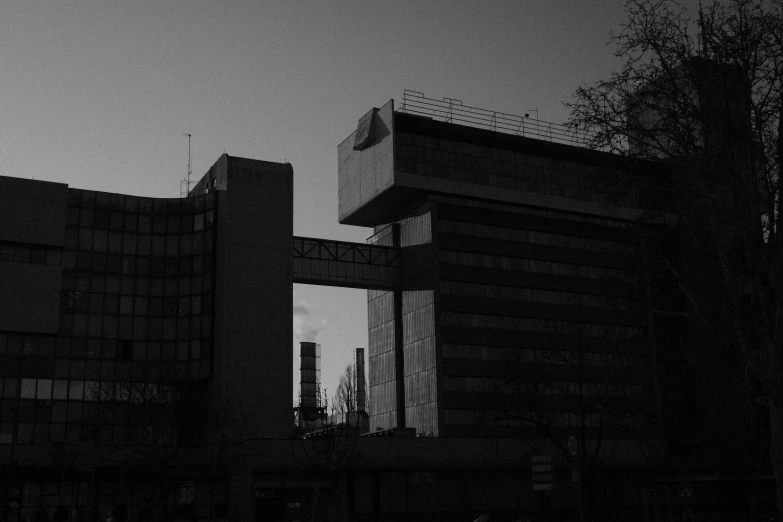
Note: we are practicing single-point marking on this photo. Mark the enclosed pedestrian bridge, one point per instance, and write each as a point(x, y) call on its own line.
point(341, 263)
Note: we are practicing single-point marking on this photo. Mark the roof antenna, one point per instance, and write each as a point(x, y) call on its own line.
point(184, 185)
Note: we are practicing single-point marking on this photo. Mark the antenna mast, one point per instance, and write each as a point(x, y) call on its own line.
point(184, 185)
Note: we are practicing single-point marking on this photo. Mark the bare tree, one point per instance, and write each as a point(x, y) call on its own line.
point(702, 95)
point(589, 389)
point(344, 400)
point(326, 445)
point(165, 423)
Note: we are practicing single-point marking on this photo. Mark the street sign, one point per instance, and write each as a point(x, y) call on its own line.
point(576, 476)
point(573, 445)
point(686, 492)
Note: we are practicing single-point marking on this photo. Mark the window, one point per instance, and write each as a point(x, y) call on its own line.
point(27, 391)
point(76, 390)
point(60, 390)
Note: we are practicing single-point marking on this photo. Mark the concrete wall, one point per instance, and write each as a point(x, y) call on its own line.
point(419, 297)
point(433, 157)
point(31, 297)
point(253, 365)
point(363, 175)
point(32, 211)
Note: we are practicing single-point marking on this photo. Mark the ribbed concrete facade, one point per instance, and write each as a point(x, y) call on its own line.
point(515, 253)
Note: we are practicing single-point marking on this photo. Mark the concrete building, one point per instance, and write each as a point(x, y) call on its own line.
point(146, 343)
point(510, 249)
point(123, 320)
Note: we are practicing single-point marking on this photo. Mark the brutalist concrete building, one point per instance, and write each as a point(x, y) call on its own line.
point(123, 319)
point(511, 247)
point(146, 343)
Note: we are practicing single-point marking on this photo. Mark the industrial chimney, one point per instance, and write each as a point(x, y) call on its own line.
point(310, 379)
point(360, 385)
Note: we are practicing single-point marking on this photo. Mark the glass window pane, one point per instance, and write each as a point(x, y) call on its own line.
point(85, 238)
point(10, 387)
point(145, 224)
point(195, 349)
point(158, 246)
point(6, 253)
point(54, 257)
point(100, 240)
point(21, 254)
point(76, 390)
point(60, 390)
point(27, 390)
point(30, 345)
point(44, 389)
point(91, 390)
point(144, 245)
point(115, 242)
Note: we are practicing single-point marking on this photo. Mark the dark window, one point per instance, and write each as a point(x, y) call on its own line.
point(73, 217)
point(117, 202)
point(101, 219)
point(143, 266)
point(131, 204)
point(87, 217)
point(54, 257)
point(99, 262)
point(114, 263)
point(100, 241)
point(157, 267)
point(156, 306)
point(142, 286)
point(38, 256)
point(145, 205)
point(126, 305)
point(22, 254)
point(85, 238)
point(172, 267)
point(115, 221)
point(170, 307)
point(172, 226)
point(112, 304)
point(159, 225)
point(126, 350)
point(145, 224)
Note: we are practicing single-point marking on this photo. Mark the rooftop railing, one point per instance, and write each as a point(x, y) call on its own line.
point(452, 110)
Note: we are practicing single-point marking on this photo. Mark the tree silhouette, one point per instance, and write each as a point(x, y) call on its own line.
point(701, 95)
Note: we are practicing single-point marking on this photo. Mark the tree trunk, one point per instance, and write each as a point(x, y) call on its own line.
point(774, 385)
point(314, 516)
point(776, 449)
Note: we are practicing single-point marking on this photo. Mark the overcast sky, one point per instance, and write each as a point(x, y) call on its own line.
point(98, 95)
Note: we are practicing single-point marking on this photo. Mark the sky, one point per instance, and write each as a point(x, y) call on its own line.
point(99, 94)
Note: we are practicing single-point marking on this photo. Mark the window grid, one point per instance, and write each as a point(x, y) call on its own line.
point(136, 305)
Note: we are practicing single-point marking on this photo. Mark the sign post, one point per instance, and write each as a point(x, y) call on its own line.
point(575, 470)
point(573, 446)
point(686, 495)
point(543, 473)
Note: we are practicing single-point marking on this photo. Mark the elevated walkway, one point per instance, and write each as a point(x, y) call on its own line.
point(340, 263)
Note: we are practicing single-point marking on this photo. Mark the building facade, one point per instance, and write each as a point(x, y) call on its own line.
point(515, 252)
point(123, 323)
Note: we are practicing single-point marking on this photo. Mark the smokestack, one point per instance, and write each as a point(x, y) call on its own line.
point(361, 393)
point(310, 374)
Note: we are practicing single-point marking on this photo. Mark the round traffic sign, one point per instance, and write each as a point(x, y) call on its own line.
point(686, 492)
point(573, 445)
